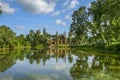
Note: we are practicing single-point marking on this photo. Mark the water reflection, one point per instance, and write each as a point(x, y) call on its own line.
point(59, 64)
point(93, 66)
point(8, 59)
point(43, 56)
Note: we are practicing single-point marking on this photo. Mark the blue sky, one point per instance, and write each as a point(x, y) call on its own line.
point(23, 15)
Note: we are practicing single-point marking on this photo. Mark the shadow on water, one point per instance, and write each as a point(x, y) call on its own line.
point(58, 64)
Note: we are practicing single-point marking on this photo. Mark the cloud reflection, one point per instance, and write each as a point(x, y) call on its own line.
point(6, 78)
point(60, 66)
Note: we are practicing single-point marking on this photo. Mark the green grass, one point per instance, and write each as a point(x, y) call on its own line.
point(113, 48)
point(63, 45)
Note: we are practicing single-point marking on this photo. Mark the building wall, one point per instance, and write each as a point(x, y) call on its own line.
point(59, 41)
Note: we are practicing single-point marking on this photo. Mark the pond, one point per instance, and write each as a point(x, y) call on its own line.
point(60, 64)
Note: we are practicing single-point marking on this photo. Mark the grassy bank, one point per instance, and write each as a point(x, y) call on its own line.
point(15, 47)
point(41, 46)
point(63, 46)
point(113, 48)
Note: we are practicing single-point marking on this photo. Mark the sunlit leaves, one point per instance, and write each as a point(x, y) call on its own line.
point(99, 23)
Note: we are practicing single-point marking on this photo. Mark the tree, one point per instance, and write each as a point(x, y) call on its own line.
point(0, 10)
point(38, 37)
point(106, 18)
point(22, 41)
point(95, 12)
point(78, 27)
point(31, 37)
point(98, 24)
point(7, 36)
point(45, 36)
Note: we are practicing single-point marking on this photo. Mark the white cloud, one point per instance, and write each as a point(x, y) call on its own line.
point(73, 4)
point(68, 17)
point(66, 2)
point(19, 27)
point(38, 6)
point(5, 7)
point(68, 5)
point(56, 13)
point(60, 22)
point(41, 26)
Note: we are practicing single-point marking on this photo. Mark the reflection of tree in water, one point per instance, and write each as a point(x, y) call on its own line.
point(44, 56)
point(91, 66)
point(38, 56)
point(70, 57)
point(8, 59)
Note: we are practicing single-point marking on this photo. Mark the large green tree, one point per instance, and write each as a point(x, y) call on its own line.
point(98, 24)
point(105, 18)
point(7, 37)
point(78, 29)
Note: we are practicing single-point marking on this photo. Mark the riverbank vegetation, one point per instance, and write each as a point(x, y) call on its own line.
point(9, 39)
point(97, 26)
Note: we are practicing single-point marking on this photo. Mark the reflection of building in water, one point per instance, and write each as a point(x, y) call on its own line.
point(58, 54)
point(57, 51)
point(58, 39)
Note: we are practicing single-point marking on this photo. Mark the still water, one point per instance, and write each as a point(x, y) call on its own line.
point(58, 65)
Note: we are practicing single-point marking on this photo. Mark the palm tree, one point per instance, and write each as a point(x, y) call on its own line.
point(31, 37)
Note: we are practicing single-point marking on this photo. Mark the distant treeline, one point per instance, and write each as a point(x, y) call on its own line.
point(9, 39)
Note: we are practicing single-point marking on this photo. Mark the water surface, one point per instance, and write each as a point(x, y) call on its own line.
point(58, 65)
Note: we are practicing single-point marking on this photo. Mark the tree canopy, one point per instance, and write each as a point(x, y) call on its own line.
point(9, 39)
point(7, 36)
point(100, 23)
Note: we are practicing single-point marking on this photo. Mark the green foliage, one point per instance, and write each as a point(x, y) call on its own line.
point(78, 29)
point(90, 64)
point(0, 10)
point(97, 25)
point(9, 40)
point(7, 37)
point(37, 38)
point(8, 58)
point(114, 47)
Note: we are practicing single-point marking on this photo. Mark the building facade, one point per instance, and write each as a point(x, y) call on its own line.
point(58, 39)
